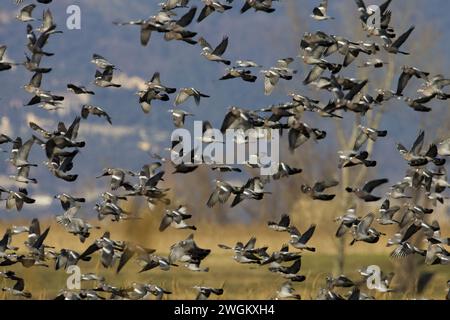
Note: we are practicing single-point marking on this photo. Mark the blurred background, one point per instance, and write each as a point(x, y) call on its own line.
point(261, 37)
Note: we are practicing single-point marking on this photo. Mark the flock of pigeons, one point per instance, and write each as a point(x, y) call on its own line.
point(426, 173)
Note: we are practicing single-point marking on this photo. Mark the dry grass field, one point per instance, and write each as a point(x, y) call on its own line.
point(239, 281)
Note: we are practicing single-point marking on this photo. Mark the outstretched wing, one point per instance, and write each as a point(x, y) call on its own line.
point(295, 267)
point(127, 254)
point(187, 18)
point(72, 132)
point(284, 221)
point(403, 82)
point(371, 185)
point(90, 250)
point(2, 52)
point(220, 49)
point(35, 227)
point(361, 5)
point(418, 144)
point(402, 39)
point(20, 284)
point(181, 97)
point(323, 185)
point(156, 78)
point(204, 43)
point(250, 244)
point(365, 223)
point(384, 6)
point(308, 234)
point(41, 239)
point(37, 128)
point(165, 222)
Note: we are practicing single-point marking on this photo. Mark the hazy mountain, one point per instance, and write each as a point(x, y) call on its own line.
point(256, 36)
